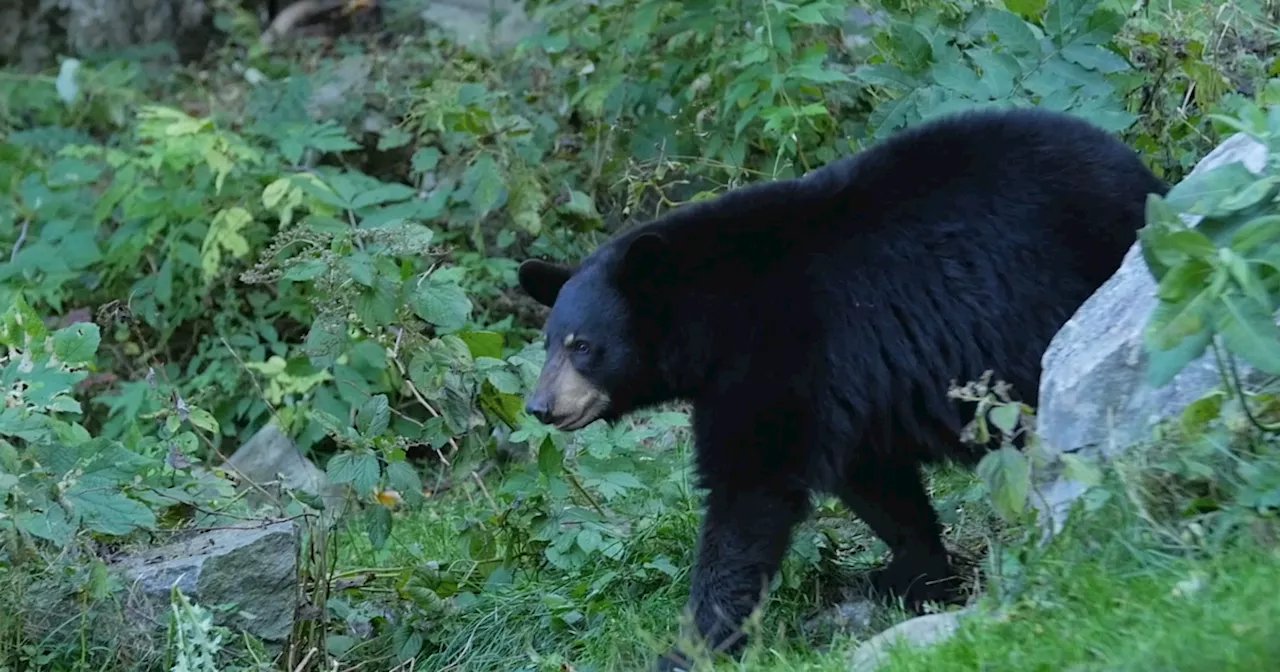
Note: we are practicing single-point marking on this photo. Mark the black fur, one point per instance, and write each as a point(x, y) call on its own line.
point(816, 323)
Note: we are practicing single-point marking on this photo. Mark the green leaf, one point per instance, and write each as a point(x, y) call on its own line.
point(404, 478)
point(357, 467)
point(1176, 335)
point(1007, 474)
point(360, 264)
point(377, 520)
point(1026, 8)
point(308, 269)
point(377, 306)
point(1249, 330)
point(108, 511)
point(425, 159)
point(1013, 33)
point(374, 416)
point(483, 343)
point(443, 304)
point(393, 137)
point(550, 458)
point(77, 344)
point(383, 193)
point(999, 71)
point(486, 183)
point(1081, 470)
point(51, 524)
point(1256, 232)
point(1095, 57)
point(886, 75)
point(1201, 193)
point(20, 326)
point(1005, 417)
point(1261, 190)
point(203, 420)
point(955, 76)
point(505, 382)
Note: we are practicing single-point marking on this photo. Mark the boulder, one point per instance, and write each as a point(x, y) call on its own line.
point(253, 568)
point(246, 575)
point(270, 457)
point(1094, 395)
point(921, 631)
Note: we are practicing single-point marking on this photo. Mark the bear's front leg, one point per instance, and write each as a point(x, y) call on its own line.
point(743, 540)
point(889, 496)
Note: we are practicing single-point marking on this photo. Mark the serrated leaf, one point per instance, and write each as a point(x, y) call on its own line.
point(444, 304)
point(1005, 417)
point(956, 77)
point(360, 264)
point(999, 71)
point(357, 467)
point(1007, 474)
point(374, 416)
point(109, 512)
point(403, 477)
point(505, 382)
point(77, 344)
point(1013, 33)
point(51, 524)
point(377, 306)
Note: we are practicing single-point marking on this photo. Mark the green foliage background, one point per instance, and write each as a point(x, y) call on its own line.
point(329, 242)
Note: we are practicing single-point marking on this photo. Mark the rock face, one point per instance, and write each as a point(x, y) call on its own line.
point(1094, 397)
point(252, 569)
point(255, 569)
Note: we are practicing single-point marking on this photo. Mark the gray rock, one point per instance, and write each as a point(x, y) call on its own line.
point(922, 631)
point(270, 457)
point(247, 577)
point(254, 569)
point(500, 24)
point(1094, 395)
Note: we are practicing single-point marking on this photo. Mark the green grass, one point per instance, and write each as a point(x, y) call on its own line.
point(1109, 594)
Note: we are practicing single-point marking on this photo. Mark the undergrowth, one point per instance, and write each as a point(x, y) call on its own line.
point(325, 239)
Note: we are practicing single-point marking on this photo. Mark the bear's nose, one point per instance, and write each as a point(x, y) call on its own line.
point(538, 408)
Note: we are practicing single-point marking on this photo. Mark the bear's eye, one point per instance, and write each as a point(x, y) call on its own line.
point(580, 347)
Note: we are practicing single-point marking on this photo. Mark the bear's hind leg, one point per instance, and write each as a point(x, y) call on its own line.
point(889, 496)
point(740, 548)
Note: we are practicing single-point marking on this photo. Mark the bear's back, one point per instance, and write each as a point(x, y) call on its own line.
point(951, 248)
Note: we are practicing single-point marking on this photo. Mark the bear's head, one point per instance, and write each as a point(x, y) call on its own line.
point(601, 336)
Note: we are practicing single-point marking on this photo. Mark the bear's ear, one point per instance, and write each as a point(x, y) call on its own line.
point(646, 258)
point(542, 280)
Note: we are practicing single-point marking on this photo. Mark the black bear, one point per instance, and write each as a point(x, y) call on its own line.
point(815, 325)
